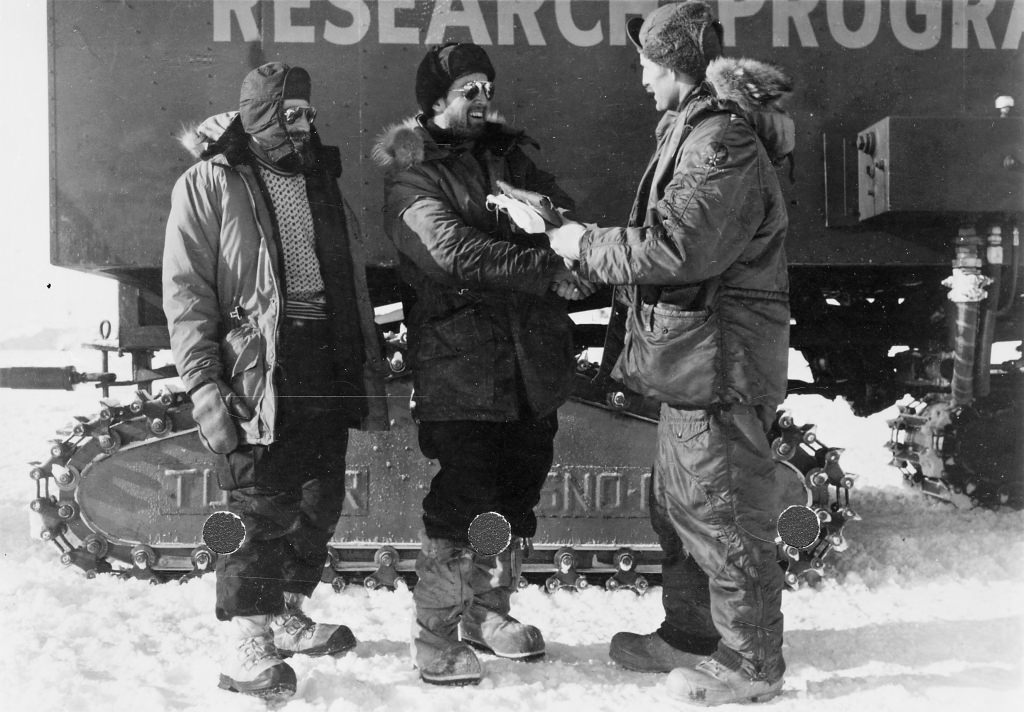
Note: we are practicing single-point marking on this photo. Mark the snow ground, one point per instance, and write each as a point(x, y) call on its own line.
point(923, 612)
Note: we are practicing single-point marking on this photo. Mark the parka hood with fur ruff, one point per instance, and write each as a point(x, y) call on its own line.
point(223, 134)
point(756, 90)
point(220, 133)
point(410, 142)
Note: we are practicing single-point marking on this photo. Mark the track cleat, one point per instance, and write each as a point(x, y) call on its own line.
point(252, 665)
point(711, 683)
point(649, 653)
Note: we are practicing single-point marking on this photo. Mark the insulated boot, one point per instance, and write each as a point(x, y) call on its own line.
point(486, 624)
point(441, 595)
point(297, 633)
point(252, 665)
point(650, 653)
point(710, 682)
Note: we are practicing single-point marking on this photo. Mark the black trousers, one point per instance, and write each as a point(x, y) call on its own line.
point(486, 467)
point(289, 494)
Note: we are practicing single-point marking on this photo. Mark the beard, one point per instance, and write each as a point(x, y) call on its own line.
point(461, 126)
point(301, 158)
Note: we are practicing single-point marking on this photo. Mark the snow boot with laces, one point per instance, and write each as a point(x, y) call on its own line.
point(441, 595)
point(252, 665)
point(711, 682)
point(486, 624)
point(295, 633)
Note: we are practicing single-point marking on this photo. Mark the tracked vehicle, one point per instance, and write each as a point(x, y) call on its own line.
point(905, 199)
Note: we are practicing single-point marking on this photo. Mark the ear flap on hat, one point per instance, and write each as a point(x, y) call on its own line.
point(633, 26)
point(711, 40)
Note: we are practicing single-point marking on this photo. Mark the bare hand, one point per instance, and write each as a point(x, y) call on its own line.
point(583, 286)
point(565, 239)
point(573, 288)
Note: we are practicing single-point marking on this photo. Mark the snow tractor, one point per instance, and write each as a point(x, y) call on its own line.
point(905, 196)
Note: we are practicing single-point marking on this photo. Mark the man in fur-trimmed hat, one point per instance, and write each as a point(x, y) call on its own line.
point(273, 336)
point(704, 305)
point(491, 349)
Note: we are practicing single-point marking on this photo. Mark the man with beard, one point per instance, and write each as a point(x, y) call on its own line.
point(272, 334)
point(491, 350)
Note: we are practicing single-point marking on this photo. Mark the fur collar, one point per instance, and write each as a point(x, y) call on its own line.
point(217, 134)
point(756, 91)
point(752, 85)
point(400, 145)
point(411, 142)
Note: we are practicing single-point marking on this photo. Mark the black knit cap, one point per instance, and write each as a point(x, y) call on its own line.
point(683, 36)
point(442, 65)
point(265, 88)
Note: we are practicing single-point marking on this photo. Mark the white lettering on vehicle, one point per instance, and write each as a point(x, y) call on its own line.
point(573, 33)
point(854, 38)
point(284, 30)
point(798, 14)
point(917, 25)
point(526, 12)
point(243, 11)
point(355, 31)
point(900, 19)
point(445, 15)
point(390, 31)
point(1015, 27)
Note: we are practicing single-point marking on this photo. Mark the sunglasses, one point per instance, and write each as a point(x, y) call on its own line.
point(293, 113)
point(471, 89)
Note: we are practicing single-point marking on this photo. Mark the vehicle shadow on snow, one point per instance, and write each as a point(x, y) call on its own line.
point(989, 653)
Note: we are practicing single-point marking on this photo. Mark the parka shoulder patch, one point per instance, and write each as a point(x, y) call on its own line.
point(715, 154)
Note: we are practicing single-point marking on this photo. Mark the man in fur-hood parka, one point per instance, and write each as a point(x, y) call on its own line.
point(491, 350)
point(272, 333)
point(704, 306)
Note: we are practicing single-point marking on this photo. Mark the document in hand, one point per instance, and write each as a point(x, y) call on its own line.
point(532, 212)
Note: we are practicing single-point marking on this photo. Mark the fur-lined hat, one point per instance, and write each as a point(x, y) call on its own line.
point(683, 36)
point(442, 65)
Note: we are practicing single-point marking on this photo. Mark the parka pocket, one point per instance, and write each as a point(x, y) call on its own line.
point(242, 355)
point(758, 344)
point(670, 354)
point(454, 360)
point(692, 432)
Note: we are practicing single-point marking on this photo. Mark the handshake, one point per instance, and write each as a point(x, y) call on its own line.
point(534, 213)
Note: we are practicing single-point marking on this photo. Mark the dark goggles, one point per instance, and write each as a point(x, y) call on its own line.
point(292, 114)
point(471, 89)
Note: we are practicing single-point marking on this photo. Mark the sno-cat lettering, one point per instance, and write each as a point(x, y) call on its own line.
point(914, 24)
point(194, 490)
point(578, 491)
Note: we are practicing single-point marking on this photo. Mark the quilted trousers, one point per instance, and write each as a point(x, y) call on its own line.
point(714, 503)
